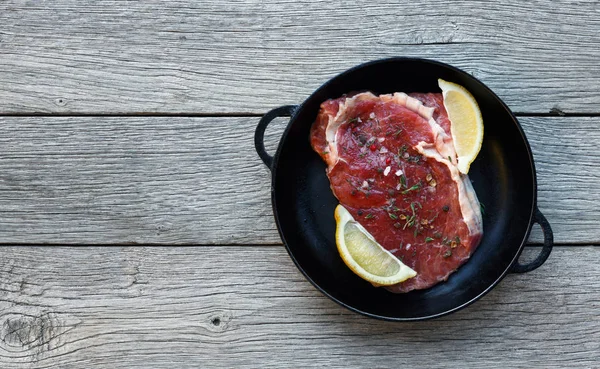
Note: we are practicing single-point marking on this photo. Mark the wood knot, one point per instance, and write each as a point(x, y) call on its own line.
point(40, 332)
point(163, 228)
point(220, 321)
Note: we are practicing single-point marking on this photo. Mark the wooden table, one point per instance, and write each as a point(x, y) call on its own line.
point(135, 215)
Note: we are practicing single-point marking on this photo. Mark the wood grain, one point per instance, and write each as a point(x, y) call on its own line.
point(127, 180)
point(248, 56)
point(190, 307)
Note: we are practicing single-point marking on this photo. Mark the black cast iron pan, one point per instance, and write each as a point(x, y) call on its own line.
point(503, 176)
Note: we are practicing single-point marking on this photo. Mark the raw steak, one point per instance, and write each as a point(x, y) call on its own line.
point(392, 164)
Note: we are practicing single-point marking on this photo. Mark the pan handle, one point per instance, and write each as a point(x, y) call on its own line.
point(259, 134)
point(540, 219)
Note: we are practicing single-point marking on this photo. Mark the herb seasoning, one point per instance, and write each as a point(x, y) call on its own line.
point(413, 188)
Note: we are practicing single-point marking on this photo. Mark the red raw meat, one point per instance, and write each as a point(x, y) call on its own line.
point(392, 165)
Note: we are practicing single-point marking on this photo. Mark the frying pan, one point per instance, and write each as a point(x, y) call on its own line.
point(503, 177)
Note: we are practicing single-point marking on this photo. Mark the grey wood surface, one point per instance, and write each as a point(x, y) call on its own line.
point(112, 56)
point(126, 148)
point(178, 180)
point(248, 307)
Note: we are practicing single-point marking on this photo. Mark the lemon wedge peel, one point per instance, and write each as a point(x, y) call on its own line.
point(466, 122)
point(365, 256)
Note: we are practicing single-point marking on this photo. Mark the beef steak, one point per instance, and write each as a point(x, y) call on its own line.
point(391, 163)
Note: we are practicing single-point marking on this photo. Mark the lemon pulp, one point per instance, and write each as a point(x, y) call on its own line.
point(364, 255)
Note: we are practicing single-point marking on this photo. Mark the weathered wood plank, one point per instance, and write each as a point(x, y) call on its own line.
point(248, 307)
point(172, 180)
point(248, 56)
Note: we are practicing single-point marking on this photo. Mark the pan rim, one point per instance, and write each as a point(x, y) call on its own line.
point(341, 75)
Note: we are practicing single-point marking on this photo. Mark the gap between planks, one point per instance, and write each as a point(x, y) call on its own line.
point(558, 113)
point(248, 245)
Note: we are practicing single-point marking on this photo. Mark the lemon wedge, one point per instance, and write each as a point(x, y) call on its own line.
point(467, 123)
point(364, 256)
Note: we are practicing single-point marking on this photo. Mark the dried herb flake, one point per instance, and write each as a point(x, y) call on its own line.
point(413, 188)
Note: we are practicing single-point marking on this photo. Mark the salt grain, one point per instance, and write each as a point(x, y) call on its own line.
point(383, 150)
point(381, 139)
point(408, 246)
point(365, 184)
point(372, 115)
point(398, 173)
point(387, 170)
